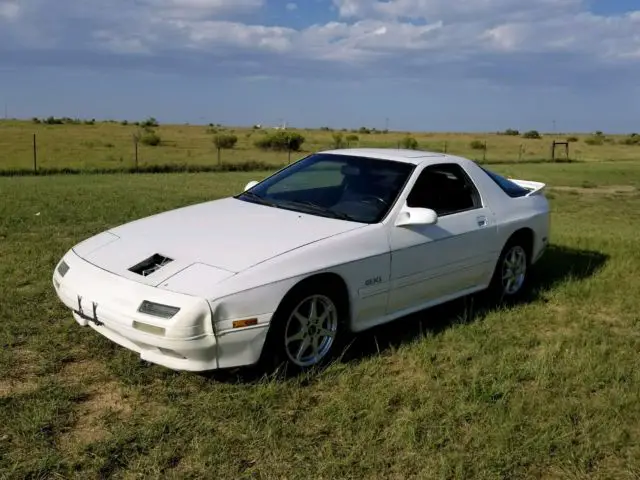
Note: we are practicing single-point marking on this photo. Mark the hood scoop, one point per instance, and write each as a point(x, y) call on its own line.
point(151, 265)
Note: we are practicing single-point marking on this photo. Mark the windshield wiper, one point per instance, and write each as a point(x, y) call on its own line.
point(258, 198)
point(323, 210)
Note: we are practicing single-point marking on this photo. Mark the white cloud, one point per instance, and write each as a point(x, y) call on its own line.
point(397, 36)
point(9, 10)
point(291, 6)
point(212, 34)
point(201, 8)
point(121, 44)
point(433, 10)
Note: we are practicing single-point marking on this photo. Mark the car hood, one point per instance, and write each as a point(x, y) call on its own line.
point(230, 235)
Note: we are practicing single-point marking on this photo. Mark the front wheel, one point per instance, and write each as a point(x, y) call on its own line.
point(310, 330)
point(306, 330)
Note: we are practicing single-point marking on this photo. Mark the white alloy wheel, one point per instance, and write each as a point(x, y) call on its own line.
point(514, 270)
point(311, 330)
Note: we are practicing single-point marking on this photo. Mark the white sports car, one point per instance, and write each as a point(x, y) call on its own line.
point(339, 241)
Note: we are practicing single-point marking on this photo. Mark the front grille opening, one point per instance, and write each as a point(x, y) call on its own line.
point(151, 264)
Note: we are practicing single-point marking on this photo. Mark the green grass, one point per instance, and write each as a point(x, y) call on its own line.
point(110, 146)
point(548, 388)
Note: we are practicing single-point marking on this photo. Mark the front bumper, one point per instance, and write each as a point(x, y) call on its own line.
point(109, 304)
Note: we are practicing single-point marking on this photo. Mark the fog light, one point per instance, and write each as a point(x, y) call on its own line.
point(157, 309)
point(152, 329)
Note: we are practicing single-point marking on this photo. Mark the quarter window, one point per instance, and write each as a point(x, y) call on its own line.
point(510, 188)
point(444, 188)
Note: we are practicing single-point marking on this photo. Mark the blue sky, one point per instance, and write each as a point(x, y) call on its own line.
point(477, 65)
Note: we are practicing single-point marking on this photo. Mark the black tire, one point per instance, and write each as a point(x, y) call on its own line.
point(277, 353)
point(500, 290)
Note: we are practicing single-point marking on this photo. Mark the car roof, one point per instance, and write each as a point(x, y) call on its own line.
point(414, 157)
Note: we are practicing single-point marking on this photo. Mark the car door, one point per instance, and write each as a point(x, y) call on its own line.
point(432, 262)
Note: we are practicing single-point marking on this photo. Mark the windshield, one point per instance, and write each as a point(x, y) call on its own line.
point(348, 187)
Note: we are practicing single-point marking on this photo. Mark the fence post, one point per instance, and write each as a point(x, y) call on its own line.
point(484, 152)
point(219, 158)
point(135, 147)
point(520, 153)
point(445, 147)
point(35, 154)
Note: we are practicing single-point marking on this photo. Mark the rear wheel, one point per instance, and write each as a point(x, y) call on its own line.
point(512, 270)
point(307, 329)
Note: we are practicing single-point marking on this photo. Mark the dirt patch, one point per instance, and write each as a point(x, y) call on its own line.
point(605, 190)
point(104, 401)
point(82, 370)
point(22, 376)
point(10, 387)
point(25, 361)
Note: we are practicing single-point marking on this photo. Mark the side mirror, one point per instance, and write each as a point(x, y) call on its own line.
point(416, 216)
point(251, 184)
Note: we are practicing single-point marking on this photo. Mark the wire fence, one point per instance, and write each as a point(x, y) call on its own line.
point(51, 151)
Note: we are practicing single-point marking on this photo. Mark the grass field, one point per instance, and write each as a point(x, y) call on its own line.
point(110, 145)
point(546, 389)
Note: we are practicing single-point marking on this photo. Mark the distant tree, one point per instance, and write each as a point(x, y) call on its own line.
point(148, 136)
point(477, 145)
point(224, 141)
point(632, 139)
point(280, 141)
point(409, 143)
point(351, 139)
point(150, 122)
point(532, 134)
point(338, 140)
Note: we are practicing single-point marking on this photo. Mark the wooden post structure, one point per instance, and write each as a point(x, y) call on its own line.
point(520, 152)
point(553, 149)
point(484, 152)
point(35, 154)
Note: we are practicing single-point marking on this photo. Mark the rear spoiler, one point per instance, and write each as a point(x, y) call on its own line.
point(535, 188)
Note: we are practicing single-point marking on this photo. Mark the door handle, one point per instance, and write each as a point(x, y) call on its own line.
point(482, 221)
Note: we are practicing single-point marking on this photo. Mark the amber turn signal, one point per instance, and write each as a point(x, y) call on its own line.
point(245, 323)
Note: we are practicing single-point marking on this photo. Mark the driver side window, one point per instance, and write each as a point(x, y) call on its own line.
point(444, 188)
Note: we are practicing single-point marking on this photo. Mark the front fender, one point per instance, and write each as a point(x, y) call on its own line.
point(259, 302)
